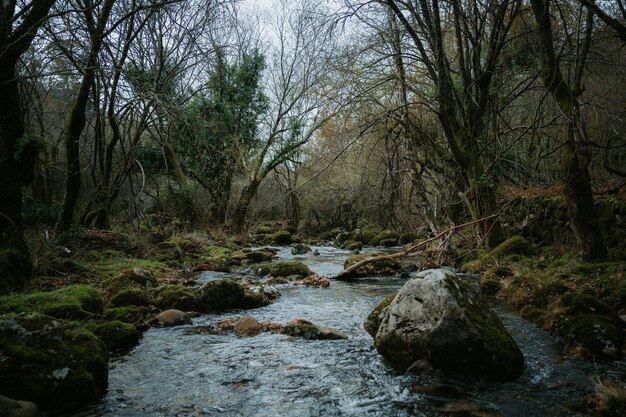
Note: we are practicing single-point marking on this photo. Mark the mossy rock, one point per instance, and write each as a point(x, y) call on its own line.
point(406, 238)
point(382, 267)
point(353, 245)
point(388, 243)
point(264, 230)
point(257, 256)
point(532, 313)
point(116, 335)
point(282, 237)
point(307, 330)
point(287, 269)
point(130, 314)
point(64, 266)
point(74, 302)
point(372, 323)
point(60, 368)
point(131, 278)
point(342, 238)
point(175, 297)
point(516, 245)
point(367, 235)
point(584, 304)
point(617, 298)
point(131, 297)
point(597, 335)
point(226, 294)
point(387, 235)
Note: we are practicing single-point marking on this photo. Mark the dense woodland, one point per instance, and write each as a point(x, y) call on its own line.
point(155, 118)
point(396, 114)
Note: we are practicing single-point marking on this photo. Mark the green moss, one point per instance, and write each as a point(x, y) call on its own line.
point(72, 302)
point(131, 297)
point(175, 297)
point(60, 368)
point(286, 269)
point(517, 245)
point(264, 230)
point(282, 237)
point(257, 256)
point(597, 267)
point(372, 323)
point(509, 361)
point(490, 285)
point(367, 235)
point(387, 235)
point(617, 298)
point(130, 314)
point(131, 278)
point(532, 313)
point(577, 303)
point(226, 295)
point(353, 245)
point(116, 335)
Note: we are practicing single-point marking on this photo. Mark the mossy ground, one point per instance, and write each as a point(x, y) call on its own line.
point(579, 301)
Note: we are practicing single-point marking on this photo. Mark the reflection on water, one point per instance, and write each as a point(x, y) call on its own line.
point(172, 373)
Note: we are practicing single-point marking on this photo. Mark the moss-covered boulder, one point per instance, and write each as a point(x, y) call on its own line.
point(388, 243)
point(105, 239)
point(131, 278)
point(116, 335)
point(353, 245)
point(257, 256)
point(287, 269)
point(59, 368)
point(300, 249)
point(282, 237)
point(307, 330)
point(341, 238)
point(440, 319)
point(74, 302)
point(226, 294)
point(597, 335)
point(381, 267)
point(388, 235)
point(175, 297)
point(406, 238)
point(131, 297)
point(264, 230)
point(372, 323)
point(516, 245)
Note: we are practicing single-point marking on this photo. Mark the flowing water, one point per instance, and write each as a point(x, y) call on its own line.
point(176, 372)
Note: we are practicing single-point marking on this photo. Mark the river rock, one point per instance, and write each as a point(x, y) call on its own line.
point(300, 249)
point(247, 326)
point(307, 330)
point(14, 408)
point(172, 318)
point(440, 318)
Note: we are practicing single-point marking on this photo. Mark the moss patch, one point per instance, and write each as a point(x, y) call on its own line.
point(372, 323)
point(131, 297)
point(387, 235)
point(116, 335)
point(281, 238)
point(227, 295)
point(514, 245)
point(286, 269)
point(175, 297)
point(74, 302)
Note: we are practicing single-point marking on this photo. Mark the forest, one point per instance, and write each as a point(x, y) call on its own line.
point(312, 208)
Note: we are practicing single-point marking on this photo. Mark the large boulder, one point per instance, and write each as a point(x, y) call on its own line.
point(60, 367)
point(380, 267)
point(287, 269)
point(439, 318)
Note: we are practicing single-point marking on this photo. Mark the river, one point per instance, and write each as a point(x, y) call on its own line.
point(178, 372)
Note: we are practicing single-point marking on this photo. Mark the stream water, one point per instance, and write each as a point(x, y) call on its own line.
point(175, 372)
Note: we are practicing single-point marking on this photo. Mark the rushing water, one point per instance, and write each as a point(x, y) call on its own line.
point(175, 372)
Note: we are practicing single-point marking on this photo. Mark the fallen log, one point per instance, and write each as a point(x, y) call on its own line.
point(346, 273)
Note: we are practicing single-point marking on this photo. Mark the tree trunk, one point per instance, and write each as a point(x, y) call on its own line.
point(575, 157)
point(241, 209)
point(76, 121)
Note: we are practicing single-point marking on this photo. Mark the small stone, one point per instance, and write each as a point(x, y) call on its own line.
point(172, 318)
point(247, 327)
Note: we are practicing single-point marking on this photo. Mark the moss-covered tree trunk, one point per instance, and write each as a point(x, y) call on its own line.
point(241, 209)
point(575, 157)
point(17, 151)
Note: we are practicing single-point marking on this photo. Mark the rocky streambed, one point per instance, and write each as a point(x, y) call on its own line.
point(184, 371)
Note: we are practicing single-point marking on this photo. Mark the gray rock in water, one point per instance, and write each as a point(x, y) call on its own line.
point(172, 318)
point(438, 317)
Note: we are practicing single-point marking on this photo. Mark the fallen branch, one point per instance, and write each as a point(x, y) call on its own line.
point(345, 274)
